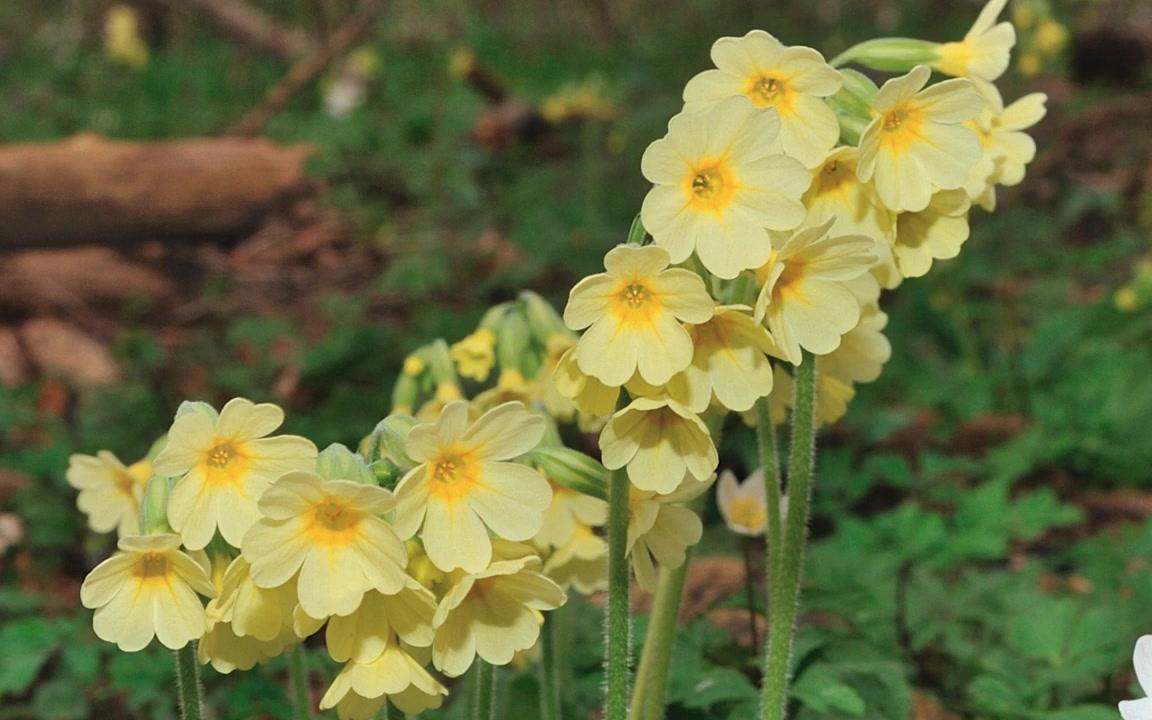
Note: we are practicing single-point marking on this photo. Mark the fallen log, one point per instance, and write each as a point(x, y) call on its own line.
point(88, 189)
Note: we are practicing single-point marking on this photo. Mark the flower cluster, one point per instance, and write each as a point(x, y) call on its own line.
point(786, 196)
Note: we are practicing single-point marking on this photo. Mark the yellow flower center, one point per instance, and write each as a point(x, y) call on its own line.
point(225, 464)
point(151, 566)
point(711, 186)
point(635, 303)
point(334, 523)
point(453, 473)
point(125, 483)
point(901, 126)
point(788, 284)
point(769, 91)
point(833, 177)
point(983, 131)
point(748, 513)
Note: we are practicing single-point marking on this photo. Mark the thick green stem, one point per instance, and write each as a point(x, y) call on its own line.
point(549, 682)
point(616, 622)
point(482, 695)
point(298, 670)
point(188, 683)
point(652, 674)
point(785, 591)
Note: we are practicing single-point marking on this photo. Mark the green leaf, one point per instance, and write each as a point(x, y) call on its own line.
point(25, 645)
point(716, 685)
point(821, 691)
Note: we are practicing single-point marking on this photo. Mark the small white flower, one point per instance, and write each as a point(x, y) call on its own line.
point(1142, 661)
point(744, 505)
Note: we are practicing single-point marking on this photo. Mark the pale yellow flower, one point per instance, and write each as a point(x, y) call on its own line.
point(475, 354)
point(361, 689)
point(633, 314)
point(743, 505)
point(465, 485)
point(109, 492)
point(225, 462)
point(935, 233)
point(806, 298)
point(364, 634)
point(720, 181)
point(511, 386)
point(148, 589)
point(838, 194)
point(1006, 148)
point(590, 396)
point(122, 41)
point(730, 364)
point(660, 441)
point(832, 396)
point(492, 614)
point(661, 529)
point(863, 350)
point(226, 651)
point(983, 54)
point(581, 563)
point(569, 511)
point(544, 385)
point(329, 536)
point(246, 624)
point(916, 144)
point(791, 80)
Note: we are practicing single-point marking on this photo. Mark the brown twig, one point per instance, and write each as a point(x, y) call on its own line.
point(304, 72)
point(250, 27)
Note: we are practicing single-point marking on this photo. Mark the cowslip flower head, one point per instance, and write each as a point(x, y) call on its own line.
point(148, 589)
point(983, 54)
point(109, 492)
point(719, 182)
point(328, 535)
point(1007, 150)
point(916, 143)
point(590, 396)
point(633, 313)
point(838, 194)
point(730, 363)
point(744, 505)
point(475, 355)
point(264, 614)
point(225, 462)
point(661, 529)
point(1142, 662)
point(361, 689)
point(492, 614)
point(791, 80)
point(806, 298)
point(379, 621)
point(935, 233)
point(661, 442)
point(464, 485)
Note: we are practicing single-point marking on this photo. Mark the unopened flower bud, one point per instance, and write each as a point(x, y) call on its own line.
point(337, 462)
point(573, 469)
point(154, 506)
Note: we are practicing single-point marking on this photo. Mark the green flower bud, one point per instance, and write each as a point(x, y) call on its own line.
point(513, 344)
point(154, 505)
point(389, 439)
point(573, 469)
point(337, 462)
point(405, 393)
point(853, 105)
point(543, 319)
point(386, 472)
point(890, 54)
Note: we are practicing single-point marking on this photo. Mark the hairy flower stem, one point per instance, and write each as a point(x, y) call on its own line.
point(298, 670)
point(786, 569)
point(616, 622)
point(648, 696)
point(482, 695)
point(188, 683)
point(549, 680)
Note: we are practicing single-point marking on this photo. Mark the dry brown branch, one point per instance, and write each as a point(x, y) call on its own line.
point(88, 189)
point(250, 27)
point(305, 72)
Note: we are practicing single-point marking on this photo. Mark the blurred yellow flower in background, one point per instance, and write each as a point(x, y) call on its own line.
point(109, 492)
point(983, 54)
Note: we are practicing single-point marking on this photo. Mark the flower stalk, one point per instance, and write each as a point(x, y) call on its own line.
point(617, 630)
point(298, 669)
point(482, 691)
point(648, 697)
point(785, 566)
point(188, 683)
